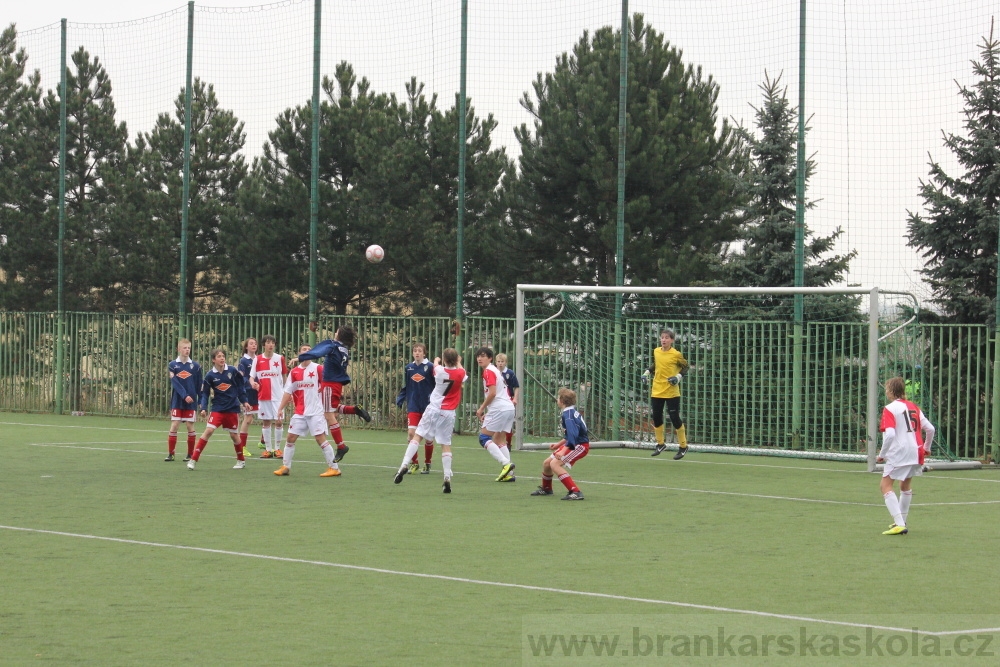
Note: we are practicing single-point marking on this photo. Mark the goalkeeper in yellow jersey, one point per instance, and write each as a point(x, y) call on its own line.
point(664, 375)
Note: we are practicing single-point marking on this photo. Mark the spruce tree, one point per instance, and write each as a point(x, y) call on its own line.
point(957, 231)
point(767, 256)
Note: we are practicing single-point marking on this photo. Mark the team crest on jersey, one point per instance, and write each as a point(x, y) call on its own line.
point(417, 377)
point(224, 387)
point(184, 375)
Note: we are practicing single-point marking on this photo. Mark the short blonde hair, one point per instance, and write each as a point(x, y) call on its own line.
point(566, 397)
point(501, 357)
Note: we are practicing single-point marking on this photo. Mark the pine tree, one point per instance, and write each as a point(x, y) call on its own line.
point(146, 212)
point(95, 148)
point(767, 257)
point(957, 233)
point(388, 174)
point(28, 181)
point(681, 163)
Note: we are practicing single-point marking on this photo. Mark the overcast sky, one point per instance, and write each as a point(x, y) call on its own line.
point(880, 76)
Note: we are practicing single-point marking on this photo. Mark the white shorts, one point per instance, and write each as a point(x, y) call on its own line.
point(499, 421)
point(902, 472)
point(268, 410)
point(300, 425)
point(436, 425)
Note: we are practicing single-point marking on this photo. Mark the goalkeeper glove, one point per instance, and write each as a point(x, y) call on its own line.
point(674, 379)
point(645, 377)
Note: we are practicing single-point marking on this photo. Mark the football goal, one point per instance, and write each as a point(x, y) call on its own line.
point(773, 371)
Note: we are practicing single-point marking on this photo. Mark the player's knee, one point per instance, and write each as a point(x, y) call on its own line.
point(675, 419)
point(483, 439)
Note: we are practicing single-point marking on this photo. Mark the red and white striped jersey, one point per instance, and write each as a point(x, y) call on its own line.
point(270, 373)
point(447, 392)
point(907, 446)
point(303, 385)
point(493, 376)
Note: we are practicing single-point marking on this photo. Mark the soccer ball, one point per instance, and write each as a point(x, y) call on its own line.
point(374, 254)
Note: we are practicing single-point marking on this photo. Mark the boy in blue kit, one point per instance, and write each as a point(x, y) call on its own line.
point(245, 366)
point(568, 451)
point(416, 395)
point(513, 389)
point(226, 386)
point(336, 354)
point(185, 394)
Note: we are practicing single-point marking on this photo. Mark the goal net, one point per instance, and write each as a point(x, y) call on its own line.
point(773, 371)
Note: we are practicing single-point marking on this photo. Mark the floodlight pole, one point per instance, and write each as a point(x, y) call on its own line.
point(314, 175)
point(462, 138)
point(60, 277)
point(616, 368)
point(182, 328)
point(800, 223)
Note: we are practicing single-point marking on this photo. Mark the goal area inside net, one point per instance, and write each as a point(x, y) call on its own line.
point(773, 371)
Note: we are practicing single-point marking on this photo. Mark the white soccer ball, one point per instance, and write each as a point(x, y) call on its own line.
point(374, 254)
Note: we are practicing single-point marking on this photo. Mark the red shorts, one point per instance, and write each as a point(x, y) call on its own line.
point(413, 419)
point(573, 455)
point(227, 420)
point(331, 391)
point(182, 415)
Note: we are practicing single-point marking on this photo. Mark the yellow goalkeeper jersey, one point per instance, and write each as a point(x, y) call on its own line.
point(667, 363)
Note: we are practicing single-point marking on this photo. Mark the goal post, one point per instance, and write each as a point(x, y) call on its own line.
point(741, 343)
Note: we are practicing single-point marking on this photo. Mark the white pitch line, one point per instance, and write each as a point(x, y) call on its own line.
point(482, 474)
point(499, 584)
point(80, 426)
point(592, 455)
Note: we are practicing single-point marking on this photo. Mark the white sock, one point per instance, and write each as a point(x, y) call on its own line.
point(892, 504)
point(411, 449)
point(267, 439)
point(505, 450)
point(279, 433)
point(497, 453)
point(328, 453)
point(286, 458)
point(904, 503)
point(446, 464)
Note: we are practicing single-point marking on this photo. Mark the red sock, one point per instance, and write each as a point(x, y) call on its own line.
point(428, 452)
point(171, 443)
point(547, 482)
point(508, 438)
point(197, 449)
point(190, 444)
point(568, 482)
point(414, 459)
point(348, 410)
point(243, 439)
point(238, 446)
point(337, 436)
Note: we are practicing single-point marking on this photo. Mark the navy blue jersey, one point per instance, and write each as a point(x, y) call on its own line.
point(419, 385)
point(335, 357)
point(185, 380)
point(511, 380)
point(574, 427)
point(227, 389)
point(244, 366)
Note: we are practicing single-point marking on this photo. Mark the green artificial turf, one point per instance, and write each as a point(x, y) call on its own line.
point(304, 570)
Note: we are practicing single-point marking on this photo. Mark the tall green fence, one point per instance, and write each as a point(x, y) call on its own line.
point(738, 392)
